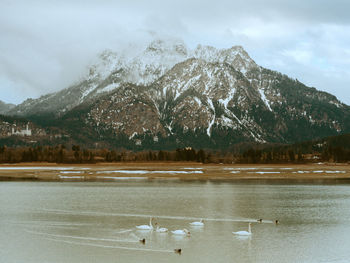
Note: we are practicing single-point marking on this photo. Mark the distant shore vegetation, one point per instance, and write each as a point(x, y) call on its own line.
point(77, 154)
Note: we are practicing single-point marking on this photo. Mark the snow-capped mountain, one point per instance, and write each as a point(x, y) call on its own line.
point(207, 96)
point(111, 70)
point(142, 68)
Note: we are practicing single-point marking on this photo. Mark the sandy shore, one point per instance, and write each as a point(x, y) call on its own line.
point(183, 171)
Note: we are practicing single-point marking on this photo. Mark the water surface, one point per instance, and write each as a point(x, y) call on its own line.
point(95, 221)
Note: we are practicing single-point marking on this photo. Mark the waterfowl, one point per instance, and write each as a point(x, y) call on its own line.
point(181, 232)
point(161, 229)
point(198, 223)
point(146, 227)
point(177, 251)
point(143, 241)
point(259, 220)
point(277, 222)
point(244, 233)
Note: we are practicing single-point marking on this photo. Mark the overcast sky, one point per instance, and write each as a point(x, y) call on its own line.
point(45, 45)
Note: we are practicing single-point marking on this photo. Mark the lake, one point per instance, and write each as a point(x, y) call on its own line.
point(96, 221)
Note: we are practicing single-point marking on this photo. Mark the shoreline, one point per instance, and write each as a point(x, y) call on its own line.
point(186, 171)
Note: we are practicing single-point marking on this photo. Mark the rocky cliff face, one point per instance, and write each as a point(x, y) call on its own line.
point(205, 97)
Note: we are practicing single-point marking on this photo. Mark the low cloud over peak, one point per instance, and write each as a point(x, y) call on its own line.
point(46, 46)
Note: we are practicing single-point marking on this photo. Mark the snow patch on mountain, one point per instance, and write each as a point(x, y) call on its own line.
point(264, 99)
point(109, 88)
point(228, 98)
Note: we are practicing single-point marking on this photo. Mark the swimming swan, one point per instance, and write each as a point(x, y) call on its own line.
point(182, 232)
point(146, 227)
point(244, 233)
point(200, 223)
point(161, 229)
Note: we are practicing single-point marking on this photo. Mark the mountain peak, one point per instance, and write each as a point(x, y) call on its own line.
point(235, 56)
point(107, 55)
point(167, 46)
point(238, 48)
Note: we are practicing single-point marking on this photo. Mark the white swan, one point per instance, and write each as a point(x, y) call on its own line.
point(161, 229)
point(146, 227)
point(181, 232)
point(244, 233)
point(198, 223)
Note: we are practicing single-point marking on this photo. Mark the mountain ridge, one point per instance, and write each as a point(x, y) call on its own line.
point(205, 97)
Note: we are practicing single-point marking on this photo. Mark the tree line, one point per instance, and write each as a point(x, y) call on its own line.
point(77, 154)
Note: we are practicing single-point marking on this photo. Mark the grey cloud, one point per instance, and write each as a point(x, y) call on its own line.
point(46, 45)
